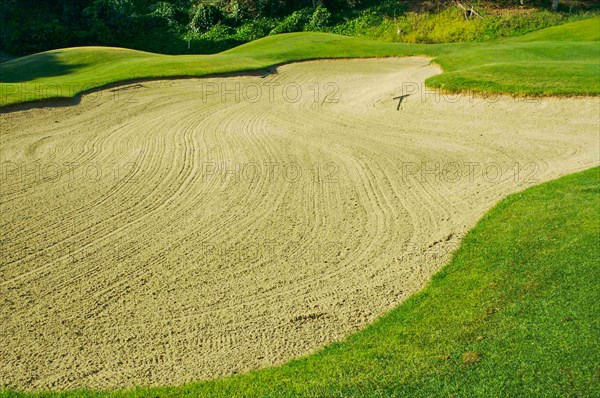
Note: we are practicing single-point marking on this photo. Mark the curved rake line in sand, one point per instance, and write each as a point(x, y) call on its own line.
point(168, 309)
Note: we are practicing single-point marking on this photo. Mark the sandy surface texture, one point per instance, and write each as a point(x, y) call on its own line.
point(170, 231)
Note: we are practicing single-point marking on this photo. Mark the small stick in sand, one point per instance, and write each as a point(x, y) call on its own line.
point(401, 98)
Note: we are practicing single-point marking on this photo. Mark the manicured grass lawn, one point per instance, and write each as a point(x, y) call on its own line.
point(562, 60)
point(522, 68)
point(515, 313)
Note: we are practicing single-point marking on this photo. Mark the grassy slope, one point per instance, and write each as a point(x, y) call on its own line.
point(520, 295)
point(533, 68)
point(586, 30)
point(558, 60)
point(68, 71)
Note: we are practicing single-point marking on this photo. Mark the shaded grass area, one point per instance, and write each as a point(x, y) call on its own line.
point(563, 60)
point(515, 313)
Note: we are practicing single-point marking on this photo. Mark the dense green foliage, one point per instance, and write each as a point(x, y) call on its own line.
point(515, 313)
point(449, 25)
point(563, 60)
point(29, 26)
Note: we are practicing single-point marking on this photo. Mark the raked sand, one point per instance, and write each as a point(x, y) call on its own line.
point(170, 231)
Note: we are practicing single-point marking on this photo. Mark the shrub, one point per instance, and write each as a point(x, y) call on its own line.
point(359, 26)
point(218, 32)
point(255, 29)
point(391, 8)
point(164, 10)
point(205, 17)
point(319, 19)
point(236, 12)
point(295, 22)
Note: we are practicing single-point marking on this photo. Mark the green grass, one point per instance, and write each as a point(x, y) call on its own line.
point(562, 60)
point(519, 298)
point(522, 68)
point(586, 30)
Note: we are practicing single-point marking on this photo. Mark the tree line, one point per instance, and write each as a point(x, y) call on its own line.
point(29, 26)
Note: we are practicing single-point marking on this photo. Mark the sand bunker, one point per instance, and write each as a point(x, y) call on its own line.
point(171, 231)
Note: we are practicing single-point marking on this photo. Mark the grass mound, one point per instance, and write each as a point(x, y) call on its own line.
point(586, 30)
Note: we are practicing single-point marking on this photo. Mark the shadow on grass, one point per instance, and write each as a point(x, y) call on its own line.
point(33, 67)
point(70, 94)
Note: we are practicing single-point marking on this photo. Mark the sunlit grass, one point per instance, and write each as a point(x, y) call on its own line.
point(560, 60)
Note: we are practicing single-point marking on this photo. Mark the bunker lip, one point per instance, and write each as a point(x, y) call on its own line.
point(75, 99)
point(64, 101)
point(193, 233)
